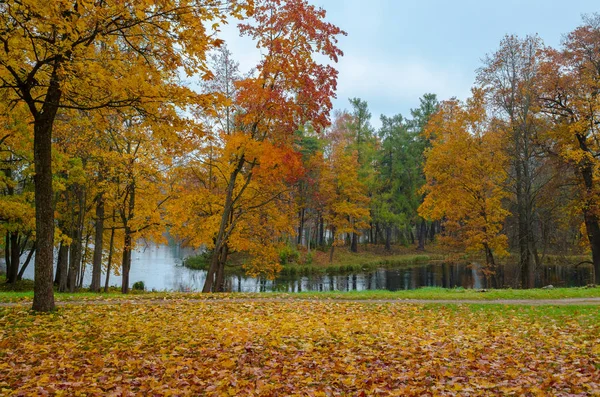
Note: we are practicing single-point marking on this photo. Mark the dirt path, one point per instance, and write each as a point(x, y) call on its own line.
point(522, 302)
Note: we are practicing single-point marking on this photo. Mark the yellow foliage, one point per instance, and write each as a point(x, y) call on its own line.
point(465, 171)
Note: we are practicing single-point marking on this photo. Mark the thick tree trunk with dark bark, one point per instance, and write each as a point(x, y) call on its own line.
point(590, 215)
point(43, 290)
point(98, 245)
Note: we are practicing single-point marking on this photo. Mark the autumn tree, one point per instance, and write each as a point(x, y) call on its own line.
point(289, 89)
point(365, 143)
point(571, 100)
point(69, 54)
point(465, 176)
point(510, 77)
point(345, 201)
point(16, 185)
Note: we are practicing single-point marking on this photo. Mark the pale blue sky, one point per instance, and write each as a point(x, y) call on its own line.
point(396, 51)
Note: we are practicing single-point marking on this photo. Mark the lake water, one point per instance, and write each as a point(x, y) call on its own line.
point(159, 267)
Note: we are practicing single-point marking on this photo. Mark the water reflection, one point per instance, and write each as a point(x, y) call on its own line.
point(160, 268)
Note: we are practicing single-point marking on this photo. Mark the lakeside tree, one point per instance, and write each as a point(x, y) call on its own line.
point(465, 171)
point(64, 54)
point(570, 98)
point(510, 77)
point(289, 89)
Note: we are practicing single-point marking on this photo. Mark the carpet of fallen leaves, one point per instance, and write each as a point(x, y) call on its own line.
point(297, 348)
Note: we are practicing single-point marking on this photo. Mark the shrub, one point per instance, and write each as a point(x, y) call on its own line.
point(288, 254)
point(138, 286)
point(198, 262)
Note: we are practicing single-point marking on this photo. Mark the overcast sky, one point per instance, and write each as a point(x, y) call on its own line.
point(397, 50)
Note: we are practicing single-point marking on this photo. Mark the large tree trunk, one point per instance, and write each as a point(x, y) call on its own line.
point(354, 245)
point(220, 279)
point(43, 290)
point(98, 245)
point(590, 216)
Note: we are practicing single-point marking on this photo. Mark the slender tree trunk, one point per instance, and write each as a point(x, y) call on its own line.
point(388, 238)
point(7, 253)
point(98, 245)
point(321, 232)
point(12, 267)
point(57, 271)
point(27, 261)
point(354, 245)
point(127, 238)
point(63, 265)
point(421, 235)
point(301, 226)
point(126, 264)
point(111, 246)
point(84, 259)
point(74, 259)
point(332, 244)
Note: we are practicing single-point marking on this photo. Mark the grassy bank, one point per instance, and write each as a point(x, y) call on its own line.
point(303, 262)
point(457, 294)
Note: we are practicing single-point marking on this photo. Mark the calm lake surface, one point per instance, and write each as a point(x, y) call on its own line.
point(160, 268)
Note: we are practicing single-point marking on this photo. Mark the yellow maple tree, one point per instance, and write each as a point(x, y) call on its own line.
point(465, 171)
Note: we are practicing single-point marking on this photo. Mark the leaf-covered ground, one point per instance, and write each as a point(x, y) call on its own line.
point(300, 348)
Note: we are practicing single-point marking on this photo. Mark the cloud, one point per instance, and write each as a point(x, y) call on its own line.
point(405, 79)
